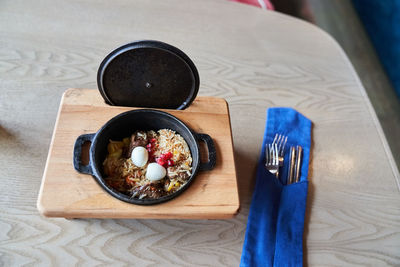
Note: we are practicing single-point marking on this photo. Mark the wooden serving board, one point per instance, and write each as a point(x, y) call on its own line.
point(66, 193)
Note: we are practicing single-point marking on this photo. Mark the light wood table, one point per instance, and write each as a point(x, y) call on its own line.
point(253, 58)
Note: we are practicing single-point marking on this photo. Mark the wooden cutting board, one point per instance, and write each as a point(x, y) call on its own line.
point(67, 193)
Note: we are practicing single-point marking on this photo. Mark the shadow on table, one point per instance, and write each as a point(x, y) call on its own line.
point(6, 134)
point(246, 168)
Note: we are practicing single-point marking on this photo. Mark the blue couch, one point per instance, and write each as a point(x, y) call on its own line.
point(381, 19)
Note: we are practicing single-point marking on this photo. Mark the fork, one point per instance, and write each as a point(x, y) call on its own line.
point(272, 159)
point(280, 140)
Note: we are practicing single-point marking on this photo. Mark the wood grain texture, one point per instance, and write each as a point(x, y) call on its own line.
point(333, 16)
point(253, 58)
point(66, 193)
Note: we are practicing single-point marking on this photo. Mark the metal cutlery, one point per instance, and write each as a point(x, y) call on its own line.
point(274, 158)
point(294, 164)
point(299, 153)
point(292, 157)
point(274, 154)
point(280, 140)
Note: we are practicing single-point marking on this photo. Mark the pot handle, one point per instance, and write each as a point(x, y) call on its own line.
point(212, 154)
point(78, 165)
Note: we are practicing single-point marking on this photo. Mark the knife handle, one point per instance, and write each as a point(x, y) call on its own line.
point(291, 165)
point(299, 153)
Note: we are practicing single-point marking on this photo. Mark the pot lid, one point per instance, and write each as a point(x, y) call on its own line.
point(148, 74)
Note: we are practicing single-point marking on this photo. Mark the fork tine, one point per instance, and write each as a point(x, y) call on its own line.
point(279, 138)
point(270, 157)
point(273, 154)
point(276, 159)
point(276, 136)
point(282, 149)
point(279, 141)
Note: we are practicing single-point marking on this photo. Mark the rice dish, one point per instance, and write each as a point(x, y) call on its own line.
point(146, 179)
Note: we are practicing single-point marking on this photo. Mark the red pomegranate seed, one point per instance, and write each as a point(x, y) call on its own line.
point(168, 155)
point(170, 163)
point(161, 161)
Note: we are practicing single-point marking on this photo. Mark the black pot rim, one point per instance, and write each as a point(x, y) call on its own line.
point(98, 177)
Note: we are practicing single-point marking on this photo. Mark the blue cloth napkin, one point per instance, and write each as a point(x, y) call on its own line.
point(274, 234)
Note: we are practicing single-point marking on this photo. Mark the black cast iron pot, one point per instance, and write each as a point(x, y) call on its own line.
point(123, 125)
